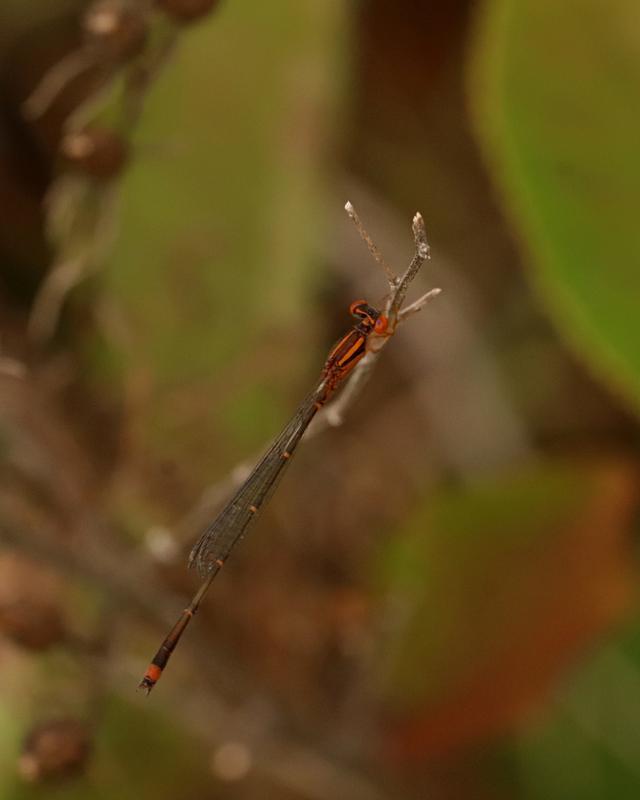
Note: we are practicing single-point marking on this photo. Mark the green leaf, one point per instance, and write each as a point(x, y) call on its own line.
point(554, 90)
point(459, 569)
point(586, 744)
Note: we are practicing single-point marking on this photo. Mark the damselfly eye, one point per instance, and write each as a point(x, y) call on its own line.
point(381, 324)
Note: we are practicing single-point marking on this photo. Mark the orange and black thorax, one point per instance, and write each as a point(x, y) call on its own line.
point(351, 348)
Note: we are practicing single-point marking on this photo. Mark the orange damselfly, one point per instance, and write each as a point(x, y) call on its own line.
point(216, 543)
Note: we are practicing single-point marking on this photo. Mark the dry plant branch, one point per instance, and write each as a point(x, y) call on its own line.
point(55, 80)
point(141, 76)
point(334, 413)
point(81, 248)
point(113, 34)
point(125, 46)
point(457, 387)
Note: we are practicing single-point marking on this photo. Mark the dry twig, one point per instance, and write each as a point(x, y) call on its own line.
point(334, 413)
point(127, 61)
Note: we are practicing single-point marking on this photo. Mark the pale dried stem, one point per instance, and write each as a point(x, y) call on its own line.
point(373, 249)
point(55, 80)
point(335, 413)
point(74, 262)
point(88, 110)
point(401, 287)
point(143, 74)
point(70, 270)
point(418, 304)
point(48, 303)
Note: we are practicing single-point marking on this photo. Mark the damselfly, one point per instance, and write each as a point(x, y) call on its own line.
point(218, 540)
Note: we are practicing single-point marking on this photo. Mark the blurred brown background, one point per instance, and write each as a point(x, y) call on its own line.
point(440, 600)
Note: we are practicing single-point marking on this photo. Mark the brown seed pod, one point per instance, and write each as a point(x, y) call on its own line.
point(55, 750)
point(185, 11)
point(30, 604)
point(117, 29)
point(99, 152)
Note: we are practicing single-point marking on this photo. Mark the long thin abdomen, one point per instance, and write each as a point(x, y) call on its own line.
point(217, 541)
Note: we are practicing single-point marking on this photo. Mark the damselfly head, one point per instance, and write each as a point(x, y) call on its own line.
point(367, 315)
point(354, 308)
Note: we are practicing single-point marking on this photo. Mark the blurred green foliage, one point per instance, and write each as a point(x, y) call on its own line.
point(585, 744)
point(220, 225)
point(458, 566)
point(554, 87)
